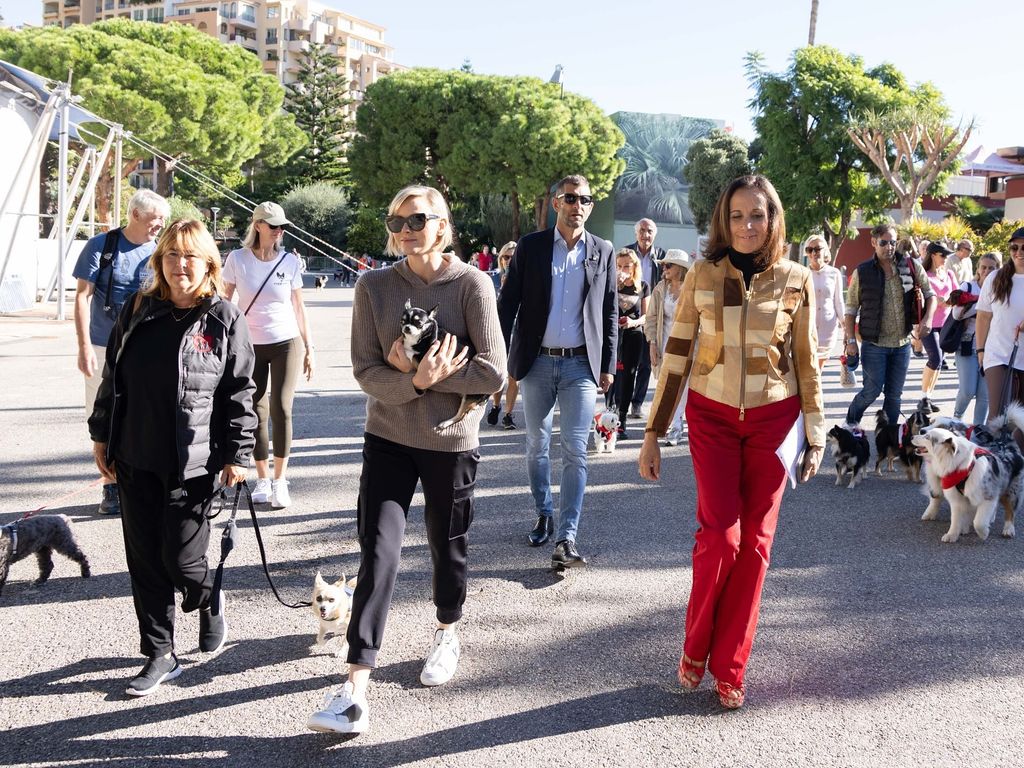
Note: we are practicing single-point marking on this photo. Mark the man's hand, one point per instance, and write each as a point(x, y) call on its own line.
point(87, 360)
point(397, 358)
point(606, 382)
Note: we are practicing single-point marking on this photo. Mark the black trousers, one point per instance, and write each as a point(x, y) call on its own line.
point(166, 534)
point(388, 481)
point(643, 375)
point(631, 346)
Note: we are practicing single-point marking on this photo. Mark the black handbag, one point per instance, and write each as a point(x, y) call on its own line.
point(951, 334)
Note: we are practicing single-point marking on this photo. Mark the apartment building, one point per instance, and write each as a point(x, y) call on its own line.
point(278, 32)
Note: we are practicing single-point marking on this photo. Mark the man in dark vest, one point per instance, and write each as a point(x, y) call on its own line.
point(892, 294)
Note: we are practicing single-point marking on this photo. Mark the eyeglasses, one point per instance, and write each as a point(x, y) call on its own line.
point(813, 249)
point(273, 226)
point(416, 222)
point(572, 198)
point(1016, 248)
point(886, 243)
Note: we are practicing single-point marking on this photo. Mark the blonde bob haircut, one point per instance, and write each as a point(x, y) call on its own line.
point(637, 275)
point(720, 236)
point(436, 204)
point(189, 237)
point(505, 254)
point(825, 250)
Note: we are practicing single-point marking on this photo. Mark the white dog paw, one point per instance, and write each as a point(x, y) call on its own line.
point(929, 514)
point(1008, 531)
point(951, 537)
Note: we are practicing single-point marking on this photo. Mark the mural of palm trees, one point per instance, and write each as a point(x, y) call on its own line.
point(655, 153)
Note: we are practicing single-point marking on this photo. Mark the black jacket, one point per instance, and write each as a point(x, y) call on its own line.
point(215, 420)
point(525, 301)
point(657, 254)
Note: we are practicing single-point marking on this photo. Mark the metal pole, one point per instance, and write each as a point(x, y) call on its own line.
point(92, 197)
point(62, 195)
point(118, 143)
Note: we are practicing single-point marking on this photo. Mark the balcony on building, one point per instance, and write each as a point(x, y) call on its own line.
point(51, 9)
point(72, 3)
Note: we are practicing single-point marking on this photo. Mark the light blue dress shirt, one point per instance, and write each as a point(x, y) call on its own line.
point(568, 281)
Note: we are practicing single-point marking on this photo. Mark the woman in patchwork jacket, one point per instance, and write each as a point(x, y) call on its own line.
point(753, 376)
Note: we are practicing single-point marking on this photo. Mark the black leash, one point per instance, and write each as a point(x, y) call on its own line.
point(227, 542)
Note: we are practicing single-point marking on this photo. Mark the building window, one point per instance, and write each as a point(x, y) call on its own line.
point(156, 15)
point(272, 12)
point(138, 15)
point(271, 55)
point(271, 37)
point(356, 45)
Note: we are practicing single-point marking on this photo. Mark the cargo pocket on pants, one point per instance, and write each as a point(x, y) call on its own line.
point(462, 512)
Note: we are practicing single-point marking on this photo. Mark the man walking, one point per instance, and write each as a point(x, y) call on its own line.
point(559, 315)
point(650, 264)
point(960, 263)
point(111, 267)
point(892, 294)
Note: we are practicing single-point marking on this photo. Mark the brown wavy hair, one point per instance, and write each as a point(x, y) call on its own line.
point(720, 238)
point(191, 237)
point(1002, 281)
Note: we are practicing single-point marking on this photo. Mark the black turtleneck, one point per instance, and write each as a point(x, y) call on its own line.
point(745, 263)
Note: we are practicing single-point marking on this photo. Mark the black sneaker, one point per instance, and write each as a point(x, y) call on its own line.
point(493, 414)
point(213, 629)
point(111, 504)
point(621, 433)
point(507, 422)
point(155, 672)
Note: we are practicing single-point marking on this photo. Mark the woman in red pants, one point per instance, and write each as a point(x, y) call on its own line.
point(748, 311)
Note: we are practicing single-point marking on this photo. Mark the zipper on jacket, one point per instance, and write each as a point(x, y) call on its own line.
point(743, 348)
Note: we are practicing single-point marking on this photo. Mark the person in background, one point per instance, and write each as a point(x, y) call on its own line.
point(174, 413)
point(103, 286)
point(830, 306)
point(964, 307)
point(268, 280)
point(505, 255)
point(650, 258)
point(661, 313)
point(960, 262)
point(634, 296)
point(1000, 316)
point(943, 283)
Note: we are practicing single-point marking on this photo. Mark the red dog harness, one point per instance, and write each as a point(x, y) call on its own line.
point(959, 479)
point(602, 430)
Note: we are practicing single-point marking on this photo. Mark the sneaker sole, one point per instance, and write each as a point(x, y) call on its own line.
point(430, 683)
point(169, 676)
point(333, 726)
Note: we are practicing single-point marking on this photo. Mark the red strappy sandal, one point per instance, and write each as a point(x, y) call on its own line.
point(690, 673)
point(730, 696)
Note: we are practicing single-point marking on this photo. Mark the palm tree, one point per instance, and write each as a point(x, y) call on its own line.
point(814, 22)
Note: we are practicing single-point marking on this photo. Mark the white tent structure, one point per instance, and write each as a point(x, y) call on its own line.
point(980, 162)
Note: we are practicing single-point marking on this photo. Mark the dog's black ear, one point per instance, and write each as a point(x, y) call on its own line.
point(408, 304)
point(948, 441)
point(432, 314)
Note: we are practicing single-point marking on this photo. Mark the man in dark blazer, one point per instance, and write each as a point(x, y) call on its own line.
point(559, 314)
point(650, 264)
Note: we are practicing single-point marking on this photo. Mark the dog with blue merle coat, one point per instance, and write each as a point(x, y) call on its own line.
point(40, 536)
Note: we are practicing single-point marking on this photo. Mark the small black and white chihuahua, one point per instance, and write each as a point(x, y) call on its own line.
point(419, 331)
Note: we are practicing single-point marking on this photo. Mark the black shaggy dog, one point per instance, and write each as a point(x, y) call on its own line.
point(39, 536)
point(895, 443)
point(851, 450)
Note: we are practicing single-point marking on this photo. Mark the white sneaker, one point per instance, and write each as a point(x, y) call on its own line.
point(341, 713)
point(440, 665)
point(261, 491)
point(673, 436)
point(280, 495)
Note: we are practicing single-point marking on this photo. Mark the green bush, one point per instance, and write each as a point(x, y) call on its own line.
point(321, 209)
point(184, 209)
point(997, 238)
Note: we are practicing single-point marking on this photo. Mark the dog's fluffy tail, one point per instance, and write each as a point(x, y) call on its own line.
point(1012, 418)
point(881, 420)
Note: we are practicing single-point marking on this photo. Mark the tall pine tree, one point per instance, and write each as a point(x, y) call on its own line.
point(318, 101)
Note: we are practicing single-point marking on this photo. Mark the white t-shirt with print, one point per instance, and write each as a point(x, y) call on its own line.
point(272, 317)
point(1006, 316)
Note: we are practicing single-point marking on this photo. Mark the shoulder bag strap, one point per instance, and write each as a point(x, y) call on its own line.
point(107, 260)
point(260, 289)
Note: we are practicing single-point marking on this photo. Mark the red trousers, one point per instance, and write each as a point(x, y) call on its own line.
point(740, 481)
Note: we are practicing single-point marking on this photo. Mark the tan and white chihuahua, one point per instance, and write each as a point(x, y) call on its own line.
point(332, 604)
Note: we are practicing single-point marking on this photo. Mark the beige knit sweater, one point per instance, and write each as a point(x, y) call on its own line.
point(467, 308)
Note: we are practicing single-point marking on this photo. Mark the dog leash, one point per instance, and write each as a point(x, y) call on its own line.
point(227, 542)
point(65, 497)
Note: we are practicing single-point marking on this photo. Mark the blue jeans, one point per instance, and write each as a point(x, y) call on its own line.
point(884, 369)
point(972, 384)
point(569, 382)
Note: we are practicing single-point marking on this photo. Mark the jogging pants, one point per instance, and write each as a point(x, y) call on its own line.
point(281, 364)
point(166, 534)
point(388, 481)
point(740, 481)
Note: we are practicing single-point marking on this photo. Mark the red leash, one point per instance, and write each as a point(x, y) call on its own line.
point(66, 496)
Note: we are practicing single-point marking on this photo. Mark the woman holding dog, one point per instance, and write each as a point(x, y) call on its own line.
point(174, 411)
point(402, 446)
point(963, 303)
point(749, 312)
point(268, 280)
point(1000, 317)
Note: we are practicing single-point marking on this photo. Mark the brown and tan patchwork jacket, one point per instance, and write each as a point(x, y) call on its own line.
point(752, 347)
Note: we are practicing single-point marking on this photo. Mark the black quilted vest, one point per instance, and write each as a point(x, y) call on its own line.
point(872, 292)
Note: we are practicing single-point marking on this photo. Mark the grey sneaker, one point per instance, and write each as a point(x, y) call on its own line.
point(637, 412)
point(213, 629)
point(443, 658)
point(111, 503)
point(341, 713)
point(156, 671)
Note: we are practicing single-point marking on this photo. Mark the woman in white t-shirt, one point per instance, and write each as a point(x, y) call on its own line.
point(1000, 315)
point(269, 284)
point(830, 306)
point(661, 314)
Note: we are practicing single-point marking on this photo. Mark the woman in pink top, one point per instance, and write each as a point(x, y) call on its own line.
point(943, 283)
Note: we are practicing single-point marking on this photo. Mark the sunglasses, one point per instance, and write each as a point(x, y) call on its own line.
point(813, 249)
point(416, 222)
point(572, 198)
point(1016, 248)
point(886, 243)
point(273, 226)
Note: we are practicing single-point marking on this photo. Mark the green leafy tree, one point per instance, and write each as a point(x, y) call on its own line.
point(320, 208)
point(711, 163)
point(168, 84)
point(183, 209)
point(317, 99)
point(366, 232)
point(801, 117)
point(998, 238)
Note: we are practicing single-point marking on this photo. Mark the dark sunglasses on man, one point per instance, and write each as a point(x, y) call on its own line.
point(416, 222)
point(571, 198)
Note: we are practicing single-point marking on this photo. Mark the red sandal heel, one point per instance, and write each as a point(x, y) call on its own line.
point(730, 696)
point(690, 673)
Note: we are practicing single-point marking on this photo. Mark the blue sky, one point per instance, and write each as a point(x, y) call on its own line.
point(687, 58)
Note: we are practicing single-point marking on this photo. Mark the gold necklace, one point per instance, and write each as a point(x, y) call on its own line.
point(175, 317)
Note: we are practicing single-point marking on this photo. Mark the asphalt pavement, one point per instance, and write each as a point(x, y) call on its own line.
point(878, 644)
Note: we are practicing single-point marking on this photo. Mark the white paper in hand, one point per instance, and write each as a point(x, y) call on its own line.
point(792, 450)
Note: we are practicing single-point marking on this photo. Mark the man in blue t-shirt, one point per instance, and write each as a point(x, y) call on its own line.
point(103, 287)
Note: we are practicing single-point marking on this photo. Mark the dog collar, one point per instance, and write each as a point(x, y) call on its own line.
point(13, 528)
point(603, 430)
point(959, 478)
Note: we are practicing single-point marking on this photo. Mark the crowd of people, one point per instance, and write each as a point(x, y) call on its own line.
point(185, 387)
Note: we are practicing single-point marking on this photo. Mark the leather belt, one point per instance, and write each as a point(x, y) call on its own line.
point(564, 351)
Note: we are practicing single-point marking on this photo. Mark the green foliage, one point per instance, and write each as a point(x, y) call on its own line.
point(950, 230)
point(497, 217)
point(185, 209)
point(320, 208)
point(977, 215)
point(366, 233)
point(998, 238)
point(711, 163)
point(318, 102)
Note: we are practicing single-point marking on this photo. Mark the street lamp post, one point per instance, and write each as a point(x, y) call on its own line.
point(214, 210)
point(557, 78)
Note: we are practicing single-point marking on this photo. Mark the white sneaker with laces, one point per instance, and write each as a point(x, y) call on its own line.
point(443, 659)
point(261, 491)
point(342, 712)
point(281, 497)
